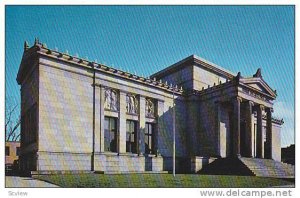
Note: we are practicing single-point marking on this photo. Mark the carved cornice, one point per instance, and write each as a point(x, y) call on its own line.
point(250, 91)
point(210, 89)
point(43, 50)
point(275, 120)
point(278, 120)
point(256, 94)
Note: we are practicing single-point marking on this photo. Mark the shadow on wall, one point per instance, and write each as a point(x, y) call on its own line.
point(164, 139)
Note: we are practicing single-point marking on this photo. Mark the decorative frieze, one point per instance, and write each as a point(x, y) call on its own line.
point(131, 104)
point(111, 99)
point(150, 108)
point(254, 94)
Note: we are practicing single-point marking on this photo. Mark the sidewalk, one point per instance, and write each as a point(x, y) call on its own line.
point(26, 182)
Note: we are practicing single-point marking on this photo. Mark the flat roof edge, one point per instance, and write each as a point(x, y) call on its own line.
point(193, 59)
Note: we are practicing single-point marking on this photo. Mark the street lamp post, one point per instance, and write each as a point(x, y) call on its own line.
point(174, 146)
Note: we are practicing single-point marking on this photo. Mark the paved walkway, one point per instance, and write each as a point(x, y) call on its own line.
point(25, 182)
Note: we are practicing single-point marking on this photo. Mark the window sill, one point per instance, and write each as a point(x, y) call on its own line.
point(132, 114)
point(129, 154)
point(110, 153)
point(150, 117)
point(111, 110)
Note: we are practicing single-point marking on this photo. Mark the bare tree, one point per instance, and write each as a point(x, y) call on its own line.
point(12, 124)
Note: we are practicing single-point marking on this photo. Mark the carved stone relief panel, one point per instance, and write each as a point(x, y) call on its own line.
point(131, 104)
point(150, 108)
point(111, 99)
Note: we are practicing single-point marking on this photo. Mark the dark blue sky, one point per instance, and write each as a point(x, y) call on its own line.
point(145, 39)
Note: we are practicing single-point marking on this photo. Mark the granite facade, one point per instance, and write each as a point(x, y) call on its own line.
point(74, 99)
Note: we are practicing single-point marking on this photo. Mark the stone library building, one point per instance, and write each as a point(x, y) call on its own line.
point(79, 115)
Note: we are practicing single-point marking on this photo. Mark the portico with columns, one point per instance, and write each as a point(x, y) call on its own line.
point(249, 107)
point(248, 149)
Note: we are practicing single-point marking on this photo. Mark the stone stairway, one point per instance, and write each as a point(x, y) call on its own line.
point(269, 168)
point(249, 166)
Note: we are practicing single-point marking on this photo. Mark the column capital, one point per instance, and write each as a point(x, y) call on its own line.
point(237, 98)
point(261, 107)
point(269, 109)
point(251, 103)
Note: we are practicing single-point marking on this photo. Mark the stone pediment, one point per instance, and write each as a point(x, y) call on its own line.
point(258, 84)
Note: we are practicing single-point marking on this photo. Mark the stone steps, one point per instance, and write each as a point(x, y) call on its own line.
point(269, 168)
point(249, 166)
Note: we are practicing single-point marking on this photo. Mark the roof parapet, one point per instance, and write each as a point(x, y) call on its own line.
point(42, 48)
point(211, 88)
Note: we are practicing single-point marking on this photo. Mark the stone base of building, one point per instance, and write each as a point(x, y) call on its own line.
point(64, 163)
point(197, 163)
point(122, 163)
point(114, 163)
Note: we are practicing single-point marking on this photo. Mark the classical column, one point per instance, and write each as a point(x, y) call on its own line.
point(259, 132)
point(97, 119)
point(141, 125)
point(217, 127)
point(269, 134)
point(236, 126)
point(249, 129)
point(122, 124)
point(160, 124)
point(102, 99)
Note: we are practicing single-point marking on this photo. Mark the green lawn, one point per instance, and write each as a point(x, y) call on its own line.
point(160, 180)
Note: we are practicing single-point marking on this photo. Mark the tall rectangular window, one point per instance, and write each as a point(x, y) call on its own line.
point(149, 138)
point(110, 134)
point(7, 151)
point(131, 136)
